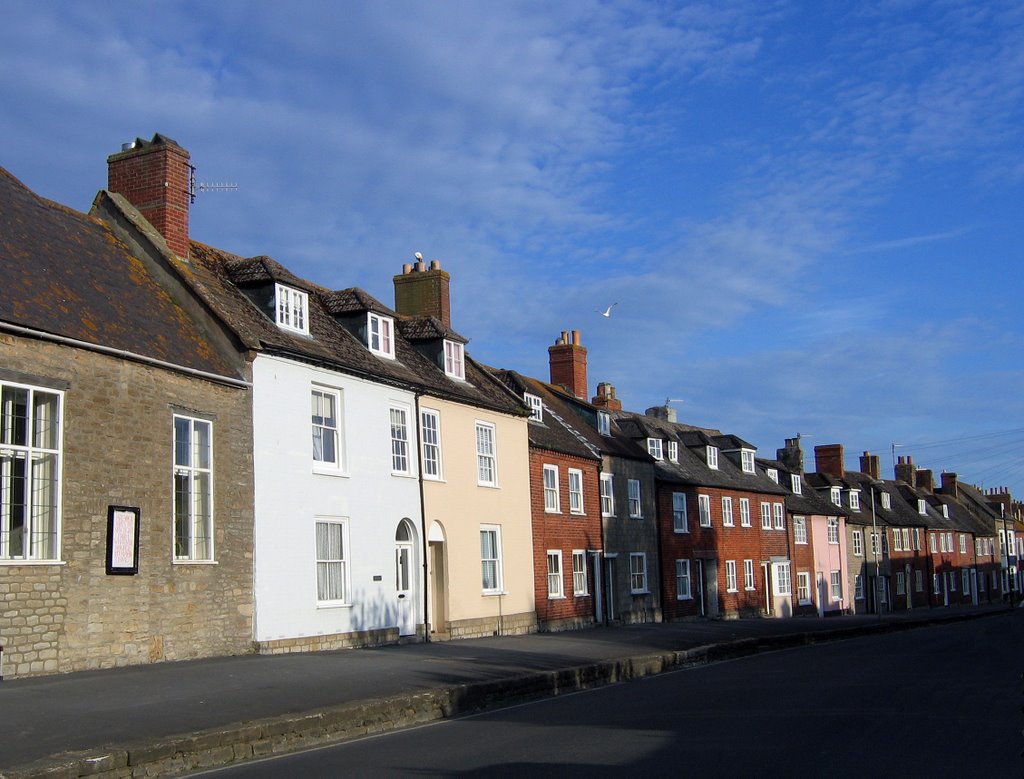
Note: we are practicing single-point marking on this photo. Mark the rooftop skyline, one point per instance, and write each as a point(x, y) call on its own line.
point(808, 215)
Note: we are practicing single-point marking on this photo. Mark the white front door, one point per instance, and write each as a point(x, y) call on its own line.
point(405, 580)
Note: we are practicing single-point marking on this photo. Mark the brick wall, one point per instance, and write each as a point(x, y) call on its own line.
point(117, 451)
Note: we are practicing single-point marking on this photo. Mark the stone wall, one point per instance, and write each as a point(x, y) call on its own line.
point(117, 450)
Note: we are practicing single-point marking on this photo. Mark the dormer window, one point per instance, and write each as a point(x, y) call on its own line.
point(673, 451)
point(454, 360)
point(292, 309)
point(855, 500)
point(772, 473)
point(922, 507)
point(536, 407)
point(945, 511)
point(747, 461)
point(604, 423)
point(380, 335)
point(837, 497)
point(797, 485)
point(654, 448)
point(886, 501)
point(712, 456)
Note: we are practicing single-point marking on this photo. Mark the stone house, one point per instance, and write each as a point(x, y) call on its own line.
point(126, 478)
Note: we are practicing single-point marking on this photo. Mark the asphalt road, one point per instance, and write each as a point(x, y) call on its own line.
point(940, 701)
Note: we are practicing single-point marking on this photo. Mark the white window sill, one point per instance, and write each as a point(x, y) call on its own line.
point(6, 561)
point(684, 597)
point(552, 511)
point(750, 589)
point(581, 595)
point(321, 470)
point(333, 605)
point(733, 590)
point(403, 475)
point(556, 597)
point(577, 513)
point(493, 593)
point(679, 532)
point(639, 592)
point(487, 486)
point(193, 562)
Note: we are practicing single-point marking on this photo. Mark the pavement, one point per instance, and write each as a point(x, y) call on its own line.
point(170, 719)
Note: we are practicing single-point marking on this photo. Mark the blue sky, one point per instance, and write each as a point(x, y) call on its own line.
point(810, 214)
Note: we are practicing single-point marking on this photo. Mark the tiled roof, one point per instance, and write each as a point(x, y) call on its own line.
point(427, 328)
point(68, 274)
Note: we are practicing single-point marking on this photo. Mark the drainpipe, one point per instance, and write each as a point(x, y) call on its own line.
point(423, 521)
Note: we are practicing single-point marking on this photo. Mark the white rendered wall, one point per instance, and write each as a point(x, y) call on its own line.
point(291, 495)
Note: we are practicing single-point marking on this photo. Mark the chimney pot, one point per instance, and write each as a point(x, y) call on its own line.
point(435, 265)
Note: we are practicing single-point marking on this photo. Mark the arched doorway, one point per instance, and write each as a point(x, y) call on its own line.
point(405, 578)
point(438, 581)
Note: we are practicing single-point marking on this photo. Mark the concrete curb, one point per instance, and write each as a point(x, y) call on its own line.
point(184, 753)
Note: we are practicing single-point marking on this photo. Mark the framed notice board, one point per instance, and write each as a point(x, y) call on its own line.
point(123, 540)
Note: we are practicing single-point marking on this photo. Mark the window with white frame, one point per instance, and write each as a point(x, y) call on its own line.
point(837, 585)
point(900, 586)
point(292, 308)
point(575, 491)
point(803, 587)
point(704, 510)
point(922, 507)
point(766, 516)
point(935, 584)
point(747, 463)
point(730, 576)
point(331, 562)
point(607, 495)
point(579, 572)
point(490, 559)
point(858, 586)
point(637, 573)
point(633, 496)
point(745, 512)
point(858, 543)
point(604, 423)
point(874, 545)
point(855, 500)
point(906, 539)
point(919, 580)
point(748, 575)
point(886, 501)
point(536, 406)
point(555, 574)
point(945, 511)
point(942, 543)
point(193, 489)
point(932, 544)
point(796, 485)
point(673, 451)
point(833, 530)
point(981, 582)
point(897, 543)
point(780, 516)
point(486, 455)
point(680, 522)
point(952, 581)
point(326, 407)
point(966, 580)
point(800, 530)
point(783, 583)
point(654, 448)
point(727, 518)
point(917, 539)
point(380, 335)
point(683, 588)
point(430, 440)
point(400, 462)
point(837, 498)
point(31, 445)
point(454, 360)
point(963, 544)
point(773, 474)
point(551, 502)
point(712, 457)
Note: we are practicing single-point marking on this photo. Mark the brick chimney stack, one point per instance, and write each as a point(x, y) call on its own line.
point(155, 177)
point(665, 412)
point(424, 291)
point(568, 364)
point(906, 470)
point(950, 484)
point(791, 455)
point(871, 464)
point(925, 480)
point(605, 397)
point(829, 459)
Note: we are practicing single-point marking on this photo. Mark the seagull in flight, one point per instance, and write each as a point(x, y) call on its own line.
point(607, 312)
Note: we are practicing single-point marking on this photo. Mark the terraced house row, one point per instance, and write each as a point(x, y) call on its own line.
point(204, 454)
